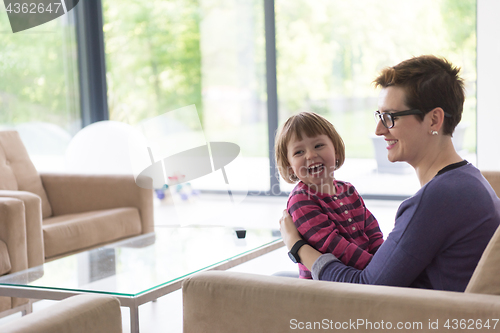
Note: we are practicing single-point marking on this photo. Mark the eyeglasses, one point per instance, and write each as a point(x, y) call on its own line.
point(387, 118)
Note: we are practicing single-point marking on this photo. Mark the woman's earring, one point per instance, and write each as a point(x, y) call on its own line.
point(434, 133)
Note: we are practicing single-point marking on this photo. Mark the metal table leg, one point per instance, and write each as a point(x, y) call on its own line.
point(134, 319)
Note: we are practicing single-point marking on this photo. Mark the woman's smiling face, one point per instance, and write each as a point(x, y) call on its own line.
point(407, 140)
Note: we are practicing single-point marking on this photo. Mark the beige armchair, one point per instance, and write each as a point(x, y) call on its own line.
point(46, 216)
point(235, 302)
point(77, 314)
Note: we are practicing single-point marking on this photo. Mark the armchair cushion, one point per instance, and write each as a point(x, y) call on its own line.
point(90, 210)
point(17, 172)
point(71, 194)
point(72, 232)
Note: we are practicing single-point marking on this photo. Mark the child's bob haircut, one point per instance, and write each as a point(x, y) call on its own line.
point(311, 125)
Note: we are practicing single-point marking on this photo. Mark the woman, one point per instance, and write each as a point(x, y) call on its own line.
point(440, 232)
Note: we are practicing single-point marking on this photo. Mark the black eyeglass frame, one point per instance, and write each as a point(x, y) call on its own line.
point(379, 116)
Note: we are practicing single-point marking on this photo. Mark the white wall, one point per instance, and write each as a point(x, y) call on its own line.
point(488, 84)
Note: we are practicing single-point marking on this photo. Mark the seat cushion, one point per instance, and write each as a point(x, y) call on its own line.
point(485, 279)
point(74, 232)
point(17, 172)
point(5, 266)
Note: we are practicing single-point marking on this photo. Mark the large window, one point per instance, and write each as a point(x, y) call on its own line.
point(165, 55)
point(329, 52)
point(39, 92)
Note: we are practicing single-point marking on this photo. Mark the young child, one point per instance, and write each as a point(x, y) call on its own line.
point(329, 214)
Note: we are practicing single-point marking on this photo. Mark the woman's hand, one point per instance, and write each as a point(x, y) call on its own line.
point(288, 230)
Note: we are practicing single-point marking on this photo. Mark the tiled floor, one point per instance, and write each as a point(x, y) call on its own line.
point(165, 315)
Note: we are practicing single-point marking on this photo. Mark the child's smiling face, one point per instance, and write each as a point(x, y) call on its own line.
point(313, 161)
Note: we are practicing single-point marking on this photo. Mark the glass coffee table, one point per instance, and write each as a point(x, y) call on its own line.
point(141, 269)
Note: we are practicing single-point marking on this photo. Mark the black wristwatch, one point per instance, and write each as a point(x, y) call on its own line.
point(294, 256)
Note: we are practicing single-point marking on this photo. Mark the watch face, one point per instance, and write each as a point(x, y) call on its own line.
point(293, 258)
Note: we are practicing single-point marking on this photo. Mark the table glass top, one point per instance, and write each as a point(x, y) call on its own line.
point(137, 265)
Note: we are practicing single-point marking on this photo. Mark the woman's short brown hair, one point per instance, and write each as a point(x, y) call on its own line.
point(309, 124)
point(429, 82)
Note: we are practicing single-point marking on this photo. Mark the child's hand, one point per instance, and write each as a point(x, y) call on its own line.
point(288, 230)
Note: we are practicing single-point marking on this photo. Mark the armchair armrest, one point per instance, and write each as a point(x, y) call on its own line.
point(13, 232)
point(235, 302)
point(33, 221)
point(77, 314)
point(69, 194)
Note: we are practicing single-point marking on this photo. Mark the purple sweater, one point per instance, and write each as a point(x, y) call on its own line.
point(438, 238)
